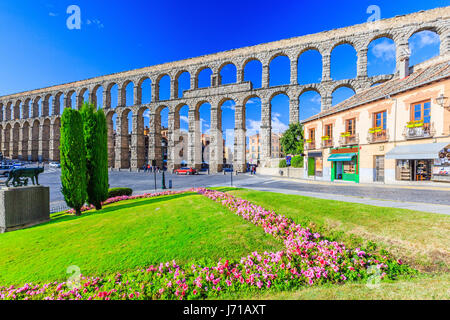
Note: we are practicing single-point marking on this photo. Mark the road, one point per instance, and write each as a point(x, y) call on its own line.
point(141, 182)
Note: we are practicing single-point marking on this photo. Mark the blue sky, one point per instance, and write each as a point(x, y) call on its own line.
point(38, 50)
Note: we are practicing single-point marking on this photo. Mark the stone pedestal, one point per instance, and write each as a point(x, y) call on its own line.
point(23, 207)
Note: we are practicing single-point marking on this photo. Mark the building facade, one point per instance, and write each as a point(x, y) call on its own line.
point(30, 120)
point(395, 132)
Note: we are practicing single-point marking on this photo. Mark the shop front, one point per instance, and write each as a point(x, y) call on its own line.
point(345, 164)
point(315, 164)
point(422, 162)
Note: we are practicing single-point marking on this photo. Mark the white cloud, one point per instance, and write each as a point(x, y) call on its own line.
point(253, 127)
point(277, 125)
point(52, 14)
point(384, 50)
point(184, 119)
point(316, 99)
point(422, 39)
point(95, 22)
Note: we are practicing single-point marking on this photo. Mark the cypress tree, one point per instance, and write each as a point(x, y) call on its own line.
point(73, 160)
point(95, 137)
point(102, 179)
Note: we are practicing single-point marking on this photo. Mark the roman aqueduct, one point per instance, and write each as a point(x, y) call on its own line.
point(28, 130)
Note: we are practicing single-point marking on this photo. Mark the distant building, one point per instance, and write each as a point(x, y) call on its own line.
point(254, 148)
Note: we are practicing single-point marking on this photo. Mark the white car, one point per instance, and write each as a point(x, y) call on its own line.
point(54, 165)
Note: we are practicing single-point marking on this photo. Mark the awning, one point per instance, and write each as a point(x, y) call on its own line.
point(342, 157)
point(417, 151)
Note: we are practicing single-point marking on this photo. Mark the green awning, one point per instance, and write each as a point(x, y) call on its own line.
point(342, 157)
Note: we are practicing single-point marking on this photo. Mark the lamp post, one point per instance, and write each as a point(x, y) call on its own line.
point(442, 101)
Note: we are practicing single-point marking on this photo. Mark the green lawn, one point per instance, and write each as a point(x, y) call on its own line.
point(127, 235)
point(422, 287)
point(419, 238)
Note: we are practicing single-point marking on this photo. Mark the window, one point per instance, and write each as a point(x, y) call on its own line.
point(350, 126)
point(380, 119)
point(329, 131)
point(349, 167)
point(421, 111)
point(312, 134)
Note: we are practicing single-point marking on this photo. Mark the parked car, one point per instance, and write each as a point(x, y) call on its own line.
point(54, 165)
point(186, 171)
point(228, 168)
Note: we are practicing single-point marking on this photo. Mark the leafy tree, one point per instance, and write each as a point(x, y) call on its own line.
point(73, 160)
point(94, 127)
point(282, 163)
point(292, 139)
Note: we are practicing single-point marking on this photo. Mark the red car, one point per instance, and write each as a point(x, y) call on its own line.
point(186, 171)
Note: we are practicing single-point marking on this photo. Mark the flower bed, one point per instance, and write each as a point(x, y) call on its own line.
point(123, 198)
point(308, 259)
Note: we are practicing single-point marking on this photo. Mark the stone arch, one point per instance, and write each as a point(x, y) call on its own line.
point(15, 140)
point(7, 140)
point(94, 96)
point(8, 111)
point(37, 107)
point(58, 98)
point(111, 136)
point(81, 97)
point(180, 75)
point(35, 140)
point(108, 95)
point(55, 139)
point(227, 73)
point(338, 99)
point(180, 136)
point(381, 55)
point(127, 94)
point(123, 143)
point(310, 54)
point(46, 105)
point(344, 51)
point(2, 113)
point(279, 69)
point(25, 140)
point(205, 72)
point(424, 43)
point(254, 76)
point(17, 108)
point(279, 104)
point(313, 106)
point(144, 95)
point(69, 97)
point(45, 140)
point(163, 87)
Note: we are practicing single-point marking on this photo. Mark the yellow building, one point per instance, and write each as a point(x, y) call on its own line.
point(393, 132)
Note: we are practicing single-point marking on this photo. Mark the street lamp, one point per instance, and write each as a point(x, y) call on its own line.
point(442, 101)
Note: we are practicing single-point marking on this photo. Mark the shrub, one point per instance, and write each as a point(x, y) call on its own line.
point(73, 160)
point(297, 162)
point(282, 164)
point(117, 192)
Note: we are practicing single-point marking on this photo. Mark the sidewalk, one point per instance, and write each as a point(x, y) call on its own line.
point(425, 185)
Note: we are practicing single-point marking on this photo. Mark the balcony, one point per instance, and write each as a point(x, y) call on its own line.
point(310, 145)
point(327, 142)
point(377, 135)
point(347, 140)
point(419, 130)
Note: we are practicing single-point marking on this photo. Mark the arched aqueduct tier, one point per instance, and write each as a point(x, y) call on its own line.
point(28, 130)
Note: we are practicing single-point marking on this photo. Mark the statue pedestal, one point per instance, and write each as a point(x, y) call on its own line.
point(23, 207)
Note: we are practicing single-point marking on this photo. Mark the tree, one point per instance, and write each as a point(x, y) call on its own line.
point(73, 160)
point(95, 138)
point(292, 139)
